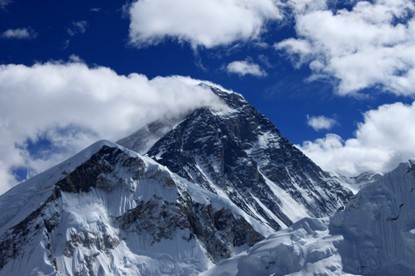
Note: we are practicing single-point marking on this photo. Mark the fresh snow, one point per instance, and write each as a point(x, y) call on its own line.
point(88, 239)
point(305, 248)
point(19, 202)
point(374, 235)
point(82, 233)
point(377, 226)
point(289, 206)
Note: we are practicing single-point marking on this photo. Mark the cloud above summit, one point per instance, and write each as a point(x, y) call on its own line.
point(356, 45)
point(206, 23)
point(371, 44)
point(71, 105)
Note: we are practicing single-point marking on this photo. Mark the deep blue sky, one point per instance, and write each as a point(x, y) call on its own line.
point(284, 95)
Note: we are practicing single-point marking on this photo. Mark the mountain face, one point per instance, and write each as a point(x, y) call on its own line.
point(213, 183)
point(110, 211)
point(373, 235)
point(238, 153)
point(378, 226)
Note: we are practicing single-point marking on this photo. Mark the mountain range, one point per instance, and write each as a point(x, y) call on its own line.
point(217, 190)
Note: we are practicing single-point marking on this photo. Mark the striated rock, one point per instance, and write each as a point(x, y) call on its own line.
point(239, 153)
point(119, 212)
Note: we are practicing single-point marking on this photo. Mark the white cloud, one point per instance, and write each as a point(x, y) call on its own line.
point(4, 3)
point(73, 105)
point(77, 27)
point(75, 59)
point(207, 23)
point(244, 68)
point(19, 33)
point(320, 122)
point(385, 138)
point(370, 45)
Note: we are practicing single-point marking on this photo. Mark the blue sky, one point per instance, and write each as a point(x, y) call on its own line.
point(337, 80)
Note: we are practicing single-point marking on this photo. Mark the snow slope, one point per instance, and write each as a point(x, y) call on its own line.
point(110, 211)
point(239, 154)
point(305, 248)
point(379, 226)
point(373, 235)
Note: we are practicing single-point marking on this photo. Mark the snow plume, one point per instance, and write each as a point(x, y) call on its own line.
point(50, 111)
point(367, 44)
point(207, 23)
point(385, 138)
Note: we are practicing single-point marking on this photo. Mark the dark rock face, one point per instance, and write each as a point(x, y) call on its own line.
point(144, 138)
point(25, 231)
point(97, 172)
point(230, 179)
point(229, 231)
point(240, 153)
point(110, 171)
point(218, 230)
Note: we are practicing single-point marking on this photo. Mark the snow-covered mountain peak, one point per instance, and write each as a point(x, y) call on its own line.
point(242, 156)
point(378, 226)
point(109, 210)
point(231, 99)
point(373, 235)
point(212, 183)
point(24, 198)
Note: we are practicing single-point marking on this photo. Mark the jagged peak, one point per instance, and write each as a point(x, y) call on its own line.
point(29, 195)
point(213, 87)
point(232, 99)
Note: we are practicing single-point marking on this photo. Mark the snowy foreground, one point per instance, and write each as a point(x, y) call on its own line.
point(128, 230)
point(374, 235)
point(305, 248)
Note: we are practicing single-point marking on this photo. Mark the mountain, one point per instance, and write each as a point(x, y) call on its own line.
point(239, 154)
point(356, 183)
point(373, 235)
point(110, 211)
point(304, 248)
point(213, 182)
point(378, 226)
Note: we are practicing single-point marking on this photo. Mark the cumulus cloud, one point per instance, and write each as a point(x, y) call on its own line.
point(369, 45)
point(320, 122)
point(69, 105)
point(243, 68)
point(19, 33)
point(385, 138)
point(207, 23)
